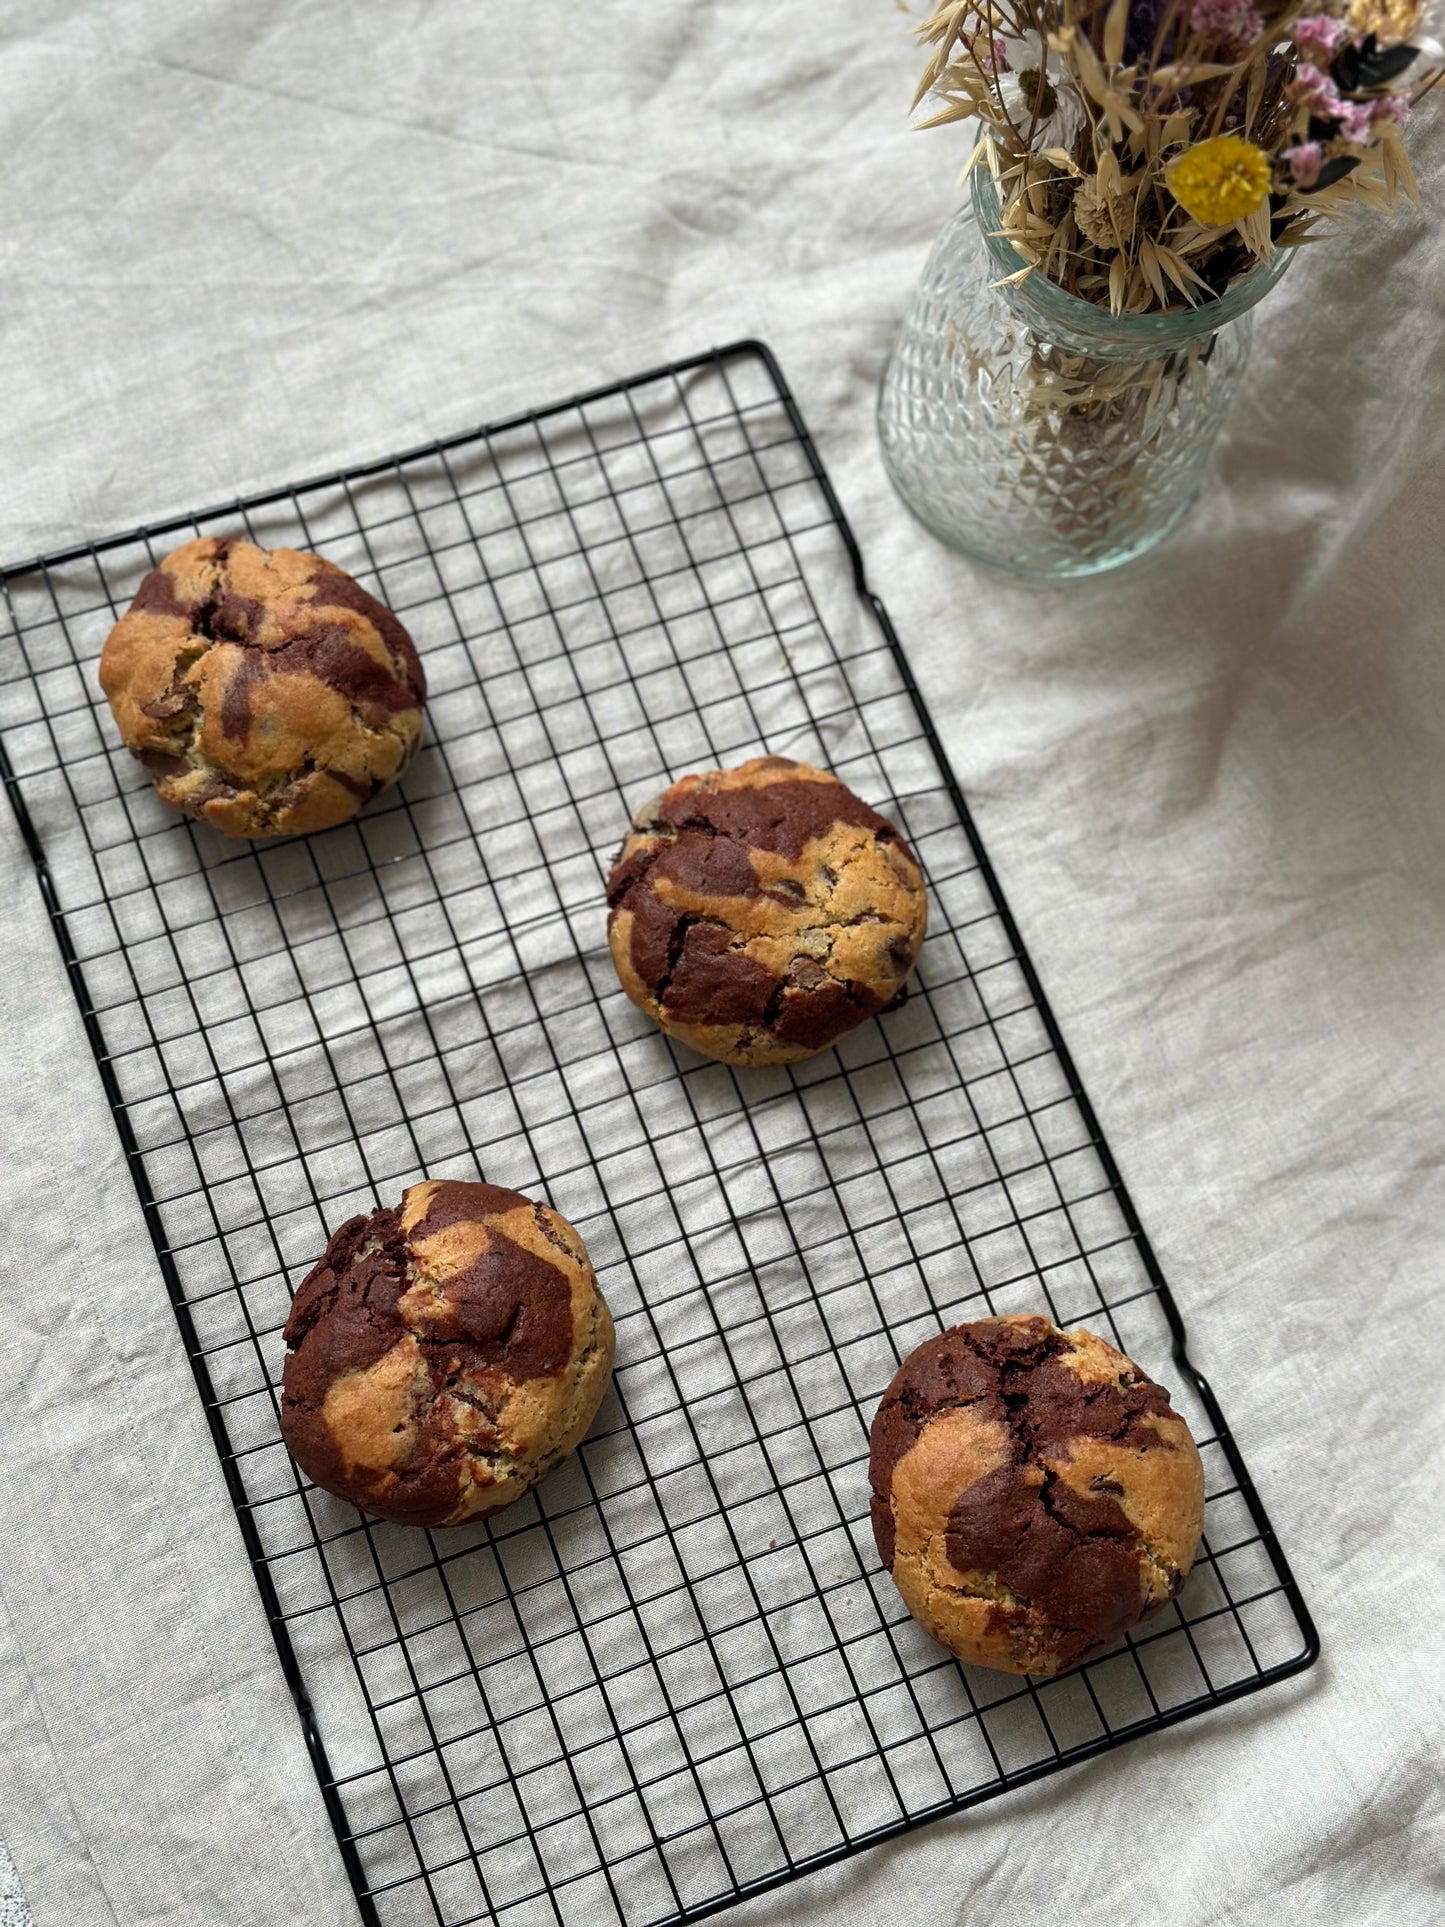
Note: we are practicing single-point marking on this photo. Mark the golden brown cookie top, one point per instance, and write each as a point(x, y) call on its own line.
point(442, 1354)
point(761, 912)
point(265, 690)
point(1034, 1493)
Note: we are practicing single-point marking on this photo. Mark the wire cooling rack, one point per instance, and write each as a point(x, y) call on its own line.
point(675, 1674)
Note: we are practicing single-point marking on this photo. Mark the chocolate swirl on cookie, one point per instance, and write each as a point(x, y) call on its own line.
point(1034, 1494)
point(265, 690)
point(759, 913)
point(444, 1354)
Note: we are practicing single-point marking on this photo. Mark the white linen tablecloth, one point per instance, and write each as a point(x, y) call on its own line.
point(244, 244)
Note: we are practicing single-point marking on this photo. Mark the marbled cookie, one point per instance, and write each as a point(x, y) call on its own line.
point(444, 1355)
point(759, 913)
point(1034, 1494)
point(266, 692)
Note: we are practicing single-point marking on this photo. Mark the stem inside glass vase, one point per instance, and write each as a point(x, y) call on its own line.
point(1037, 431)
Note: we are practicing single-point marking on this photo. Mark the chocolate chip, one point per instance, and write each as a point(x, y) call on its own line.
point(171, 704)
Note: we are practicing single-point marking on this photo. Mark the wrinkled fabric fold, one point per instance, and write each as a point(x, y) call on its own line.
point(243, 246)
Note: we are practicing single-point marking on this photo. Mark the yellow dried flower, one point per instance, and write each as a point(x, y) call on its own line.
point(1221, 181)
point(1390, 21)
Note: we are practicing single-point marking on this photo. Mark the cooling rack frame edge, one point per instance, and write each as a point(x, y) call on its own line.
point(1008, 1780)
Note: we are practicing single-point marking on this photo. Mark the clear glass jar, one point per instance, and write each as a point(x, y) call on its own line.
point(1040, 433)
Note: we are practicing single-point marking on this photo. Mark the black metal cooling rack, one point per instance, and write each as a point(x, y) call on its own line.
point(673, 1676)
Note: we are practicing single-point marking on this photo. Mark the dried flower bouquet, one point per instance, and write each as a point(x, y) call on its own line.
point(1149, 153)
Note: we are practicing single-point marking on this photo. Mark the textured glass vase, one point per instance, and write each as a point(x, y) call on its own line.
point(1040, 433)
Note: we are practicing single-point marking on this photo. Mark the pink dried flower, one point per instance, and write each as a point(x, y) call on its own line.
point(1319, 35)
point(1357, 119)
point(1304, 163)
point(1315, 90)
point(1395, 107)
point(1229, 22)
point(987, 54)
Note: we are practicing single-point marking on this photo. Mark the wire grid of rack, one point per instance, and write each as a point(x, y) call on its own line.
point(675, 1674)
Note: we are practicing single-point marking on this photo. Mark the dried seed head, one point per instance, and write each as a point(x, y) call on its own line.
point(1105, 219)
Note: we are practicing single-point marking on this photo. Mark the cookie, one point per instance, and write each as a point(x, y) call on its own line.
point(759, 913)
point(444, 1355)
point(266, 692)
point(1034, 1494)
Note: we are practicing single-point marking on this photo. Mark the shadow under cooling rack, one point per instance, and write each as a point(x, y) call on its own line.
point(675, 1674)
